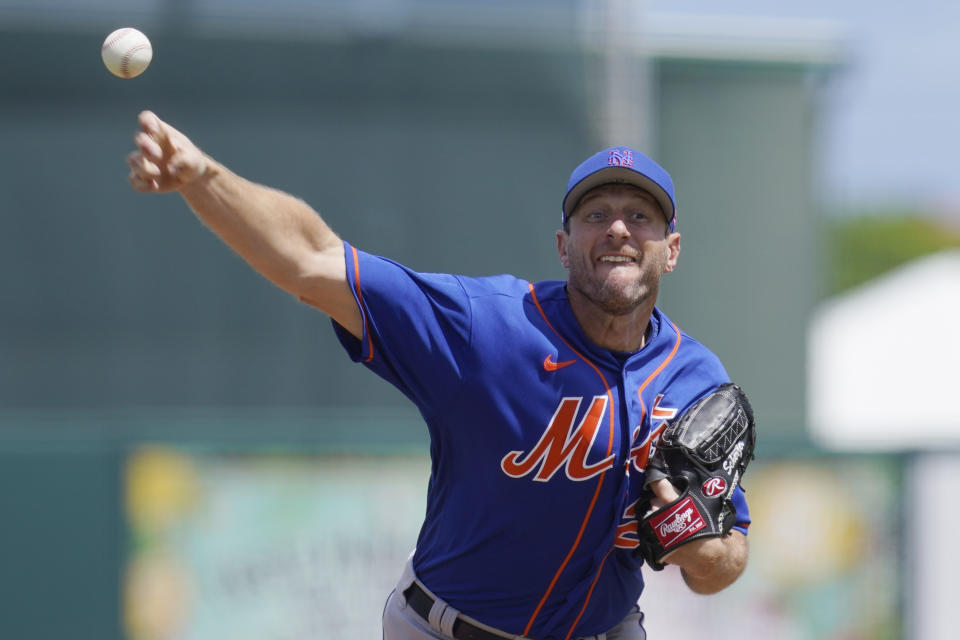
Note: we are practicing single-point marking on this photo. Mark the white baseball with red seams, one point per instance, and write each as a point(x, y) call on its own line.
point(126, 52)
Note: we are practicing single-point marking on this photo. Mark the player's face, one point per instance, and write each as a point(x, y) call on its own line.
point(617, 247)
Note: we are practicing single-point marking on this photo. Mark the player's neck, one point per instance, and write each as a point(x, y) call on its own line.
point(618, 332)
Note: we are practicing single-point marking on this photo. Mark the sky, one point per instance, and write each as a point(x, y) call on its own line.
point(890, 126)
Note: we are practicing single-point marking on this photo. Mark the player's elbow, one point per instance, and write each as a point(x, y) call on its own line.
point(309, 274)
point(718, 566)
point(713, 582)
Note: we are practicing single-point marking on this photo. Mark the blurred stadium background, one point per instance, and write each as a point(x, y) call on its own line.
point(185, 453)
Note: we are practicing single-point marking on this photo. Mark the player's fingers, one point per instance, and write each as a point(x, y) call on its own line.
point(165, 156)
point(664, 492)
point(148, 146)
point(156, 129)
point(141, 184)
point(149, 122)
point(142, 166)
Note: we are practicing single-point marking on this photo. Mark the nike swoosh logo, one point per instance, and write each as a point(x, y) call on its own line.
point(550, 365)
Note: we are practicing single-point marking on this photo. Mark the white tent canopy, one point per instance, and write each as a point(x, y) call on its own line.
point(884, 361)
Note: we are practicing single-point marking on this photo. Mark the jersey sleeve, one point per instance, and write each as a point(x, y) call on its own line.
point(416, 327)
point(739, 499)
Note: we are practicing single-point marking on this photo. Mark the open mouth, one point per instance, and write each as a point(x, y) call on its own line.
point(617, 260)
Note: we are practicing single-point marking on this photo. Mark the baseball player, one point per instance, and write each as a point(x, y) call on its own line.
point(544, 401)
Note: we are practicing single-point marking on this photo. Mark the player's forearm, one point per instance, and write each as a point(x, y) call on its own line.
point(712, 564)
point(277, 234)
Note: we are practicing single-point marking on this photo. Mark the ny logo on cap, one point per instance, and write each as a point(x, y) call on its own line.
point(620, 158)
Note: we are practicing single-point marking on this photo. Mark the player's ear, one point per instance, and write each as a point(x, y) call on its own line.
point(562, 248)
point(673, 251)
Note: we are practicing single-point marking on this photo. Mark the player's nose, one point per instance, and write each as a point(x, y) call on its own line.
point(618, 228)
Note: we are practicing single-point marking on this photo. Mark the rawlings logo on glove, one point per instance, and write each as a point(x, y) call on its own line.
point(704, 453)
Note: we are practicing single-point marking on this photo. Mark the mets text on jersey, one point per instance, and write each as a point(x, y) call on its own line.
point(563, 445)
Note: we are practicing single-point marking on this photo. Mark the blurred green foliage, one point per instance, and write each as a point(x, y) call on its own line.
point(863, 247)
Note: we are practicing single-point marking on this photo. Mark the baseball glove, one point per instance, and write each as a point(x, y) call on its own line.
point(704, 453)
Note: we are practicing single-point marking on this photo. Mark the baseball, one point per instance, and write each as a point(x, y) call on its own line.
point(126, 52)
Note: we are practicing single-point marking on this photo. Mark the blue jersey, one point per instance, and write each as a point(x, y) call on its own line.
point(538, 440)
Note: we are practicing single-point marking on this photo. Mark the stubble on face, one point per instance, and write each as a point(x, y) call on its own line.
point(605, 228)
point(618, 294)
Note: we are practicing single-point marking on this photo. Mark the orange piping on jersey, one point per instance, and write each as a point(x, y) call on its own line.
point(589, 593)
point(643, 412)
point(596, 493)
point(642, 457)
point(363, 312)
point(659, 370)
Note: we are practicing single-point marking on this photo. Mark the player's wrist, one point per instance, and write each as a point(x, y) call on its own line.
point(698, 557)
point(198, 176)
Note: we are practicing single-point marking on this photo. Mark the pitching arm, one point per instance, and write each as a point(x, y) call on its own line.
point(279, 235)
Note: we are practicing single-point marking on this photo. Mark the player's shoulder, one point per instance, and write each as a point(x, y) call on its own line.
point(475, 287)
point(687, 368)
point(504, 285)
point(691, 357)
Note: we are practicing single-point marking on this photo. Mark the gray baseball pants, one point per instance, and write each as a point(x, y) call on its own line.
point(400, 622)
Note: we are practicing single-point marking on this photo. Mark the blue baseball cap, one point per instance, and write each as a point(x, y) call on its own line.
point(621, 165)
